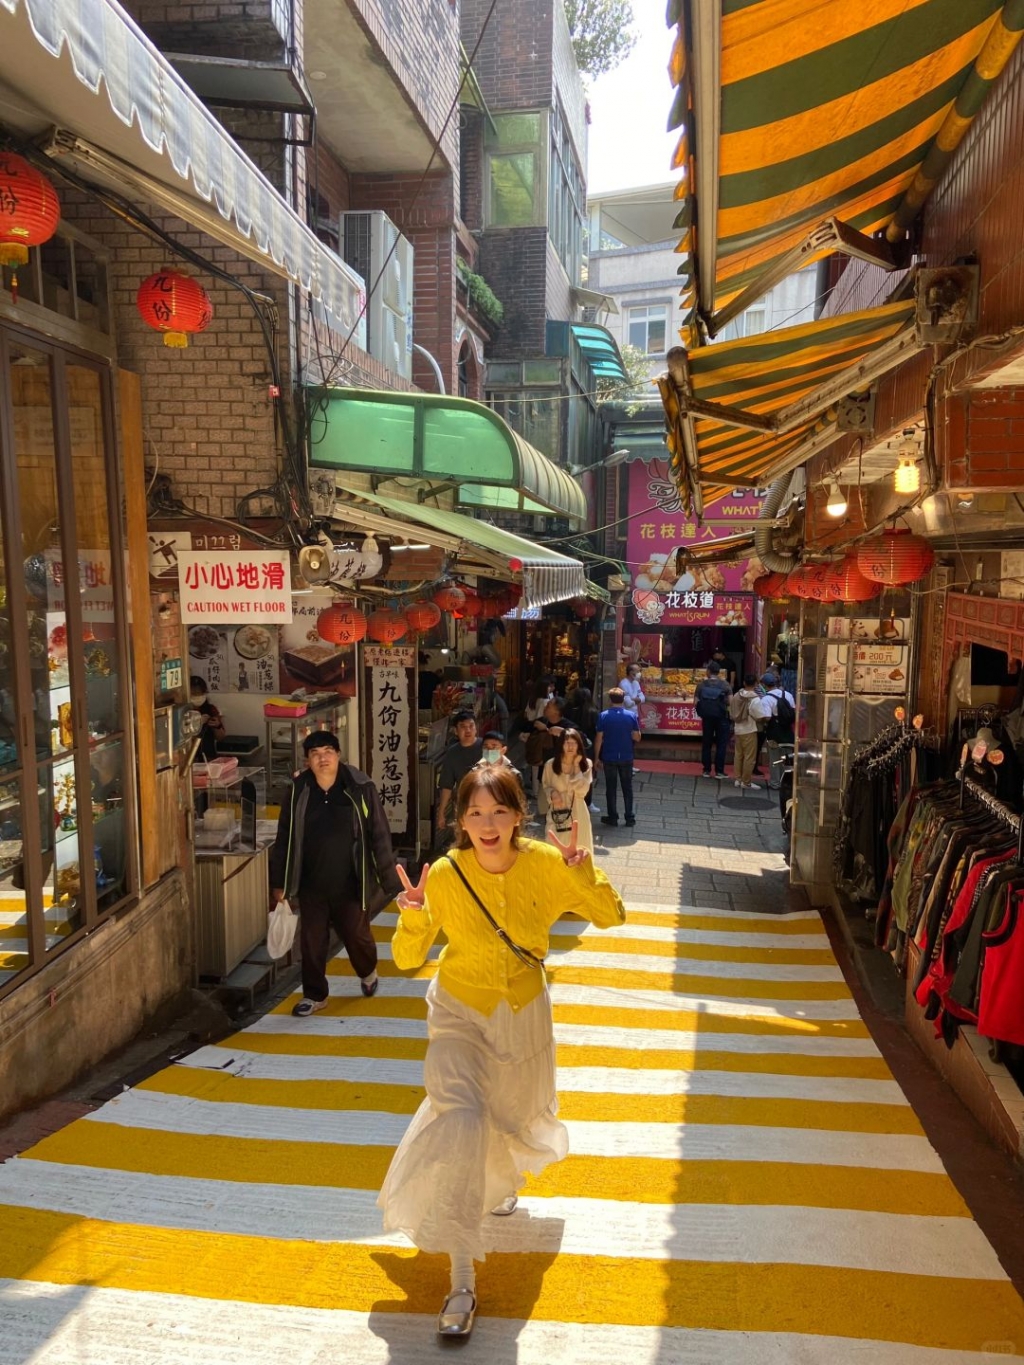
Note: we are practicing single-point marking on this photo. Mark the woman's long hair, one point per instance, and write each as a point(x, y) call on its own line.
point(581, 749)
point(503, 785)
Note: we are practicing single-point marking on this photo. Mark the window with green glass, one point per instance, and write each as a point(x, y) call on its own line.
point(516, 171)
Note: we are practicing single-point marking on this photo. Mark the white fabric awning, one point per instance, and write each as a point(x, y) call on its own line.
point(84, 70)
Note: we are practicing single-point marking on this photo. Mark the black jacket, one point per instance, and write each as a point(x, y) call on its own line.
point(372, 855)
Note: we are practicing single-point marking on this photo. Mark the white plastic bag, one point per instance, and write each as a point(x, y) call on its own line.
point(281, 929)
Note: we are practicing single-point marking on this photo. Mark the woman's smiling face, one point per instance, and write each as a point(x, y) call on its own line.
point(489, 824)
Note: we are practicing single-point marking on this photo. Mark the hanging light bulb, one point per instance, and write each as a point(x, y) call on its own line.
point(907, 478)
point(836, 504)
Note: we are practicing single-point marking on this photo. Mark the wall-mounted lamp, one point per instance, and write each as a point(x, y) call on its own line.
point(907, 478)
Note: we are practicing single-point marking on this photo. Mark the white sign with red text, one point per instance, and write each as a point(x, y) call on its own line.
point(219, 587)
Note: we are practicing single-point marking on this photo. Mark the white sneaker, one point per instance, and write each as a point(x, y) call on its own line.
point(594, 810)
point(737, 783)
point(751, 786)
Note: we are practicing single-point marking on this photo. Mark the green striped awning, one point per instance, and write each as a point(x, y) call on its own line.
point(794, 112)
point(777, 392)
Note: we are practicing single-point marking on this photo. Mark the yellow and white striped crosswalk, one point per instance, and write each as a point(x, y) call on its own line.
point(746, 1184)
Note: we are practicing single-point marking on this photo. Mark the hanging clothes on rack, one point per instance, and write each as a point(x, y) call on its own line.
point(880, 776)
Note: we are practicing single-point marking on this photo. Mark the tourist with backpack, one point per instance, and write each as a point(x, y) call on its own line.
point(711, 702)
point(780, 708)
point(746, 708)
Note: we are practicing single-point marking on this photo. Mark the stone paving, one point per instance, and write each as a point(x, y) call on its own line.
point(699, 842)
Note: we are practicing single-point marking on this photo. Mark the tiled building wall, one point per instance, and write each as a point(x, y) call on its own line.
point(514, 261)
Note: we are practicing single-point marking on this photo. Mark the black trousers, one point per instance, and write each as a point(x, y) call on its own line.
point(613, 774)
point(317, 916)
point(714, 732)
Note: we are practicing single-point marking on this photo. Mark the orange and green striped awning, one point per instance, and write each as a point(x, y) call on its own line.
point(796, 111)
point(778, 392)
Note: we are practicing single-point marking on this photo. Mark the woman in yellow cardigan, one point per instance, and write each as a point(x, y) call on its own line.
point(489, 1116)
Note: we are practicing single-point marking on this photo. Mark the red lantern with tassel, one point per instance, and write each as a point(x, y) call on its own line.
point(341, 624)
point(175, 305)
point(422, 616)
point(850, 583)
point(896, 556)
point(386, 626)
point(450, 598)
point(29, 212)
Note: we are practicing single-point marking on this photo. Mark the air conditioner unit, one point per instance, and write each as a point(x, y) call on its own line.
point(367, 240)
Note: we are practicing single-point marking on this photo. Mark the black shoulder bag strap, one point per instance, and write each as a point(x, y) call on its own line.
point(523, 954)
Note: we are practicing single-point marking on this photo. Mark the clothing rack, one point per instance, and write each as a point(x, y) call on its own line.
point(1001, 811)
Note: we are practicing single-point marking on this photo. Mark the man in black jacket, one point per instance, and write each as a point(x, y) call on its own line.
point(333, 860)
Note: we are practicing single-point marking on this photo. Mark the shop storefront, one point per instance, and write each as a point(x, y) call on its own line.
point(677, 616)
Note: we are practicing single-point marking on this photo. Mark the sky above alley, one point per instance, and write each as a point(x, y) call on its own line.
point(629, 109)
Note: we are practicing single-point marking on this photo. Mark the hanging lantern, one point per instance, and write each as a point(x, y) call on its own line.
point(490, 608)
point(29, 212)
point(342, 624)
point(896, 556)
point(514, 593)
point(175, 305)
point(471, 605)
point(584, 607)
point(422, 616)
point(450, 598)
point(386, 626)
point(771, 586)
point(811, 582)
point(850, 583)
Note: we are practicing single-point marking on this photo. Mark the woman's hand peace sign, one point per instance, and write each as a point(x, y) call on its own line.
point(412, 897)
point(572, 854)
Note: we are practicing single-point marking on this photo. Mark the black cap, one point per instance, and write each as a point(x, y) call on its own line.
point(459, 716)
point(320, 739)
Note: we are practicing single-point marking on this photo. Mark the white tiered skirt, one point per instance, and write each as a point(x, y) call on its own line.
point(488, 1120)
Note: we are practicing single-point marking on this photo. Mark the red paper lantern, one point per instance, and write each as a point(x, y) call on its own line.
point(450, 598)
point(490, 607)
point(471, 606)
point(771, 585)
point(584, 607)
point(341, 625)
point(850, 583)
point(896, 556)
point(175, 305)
point(422, 616)
point(514, 593)
point(808, 581)
point(29, 212)
point(387, 626)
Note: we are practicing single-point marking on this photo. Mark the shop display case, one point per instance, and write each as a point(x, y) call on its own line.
point(286, 733)
point(669, 705)
point(854, 671)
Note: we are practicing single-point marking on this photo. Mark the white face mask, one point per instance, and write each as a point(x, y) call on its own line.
point(492, 755)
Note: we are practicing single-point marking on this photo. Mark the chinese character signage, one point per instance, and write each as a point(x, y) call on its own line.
point(227, 586)
point(701, 595)
point(389, 681)
point(239, 659)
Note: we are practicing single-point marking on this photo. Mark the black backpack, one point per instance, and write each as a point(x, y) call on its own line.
point(713, 700)
point(785, 715)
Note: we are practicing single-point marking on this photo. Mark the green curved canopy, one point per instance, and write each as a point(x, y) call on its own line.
point(443, 440)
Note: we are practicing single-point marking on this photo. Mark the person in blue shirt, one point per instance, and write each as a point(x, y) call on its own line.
point(613, 749)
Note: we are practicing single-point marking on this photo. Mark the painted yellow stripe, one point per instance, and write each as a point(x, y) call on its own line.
point(635, 1059)
point(644, 1180)
point(703, 952)
point(738, 924)
point(387, 1006)
point(800, 134)
point(682, 983)
point(753, 39)
point(925, 1310)
point(828, 1116)
point(648, 1180)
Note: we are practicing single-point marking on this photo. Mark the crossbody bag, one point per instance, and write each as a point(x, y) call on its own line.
point(523, 954)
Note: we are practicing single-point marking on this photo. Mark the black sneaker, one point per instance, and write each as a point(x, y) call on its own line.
point(609, 819)
point(370, 987)
point(630, 820)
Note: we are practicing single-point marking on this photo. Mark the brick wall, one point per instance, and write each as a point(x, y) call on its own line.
point(514, 63)
point(981, 439)
point(256, 30)
point(514, 263)
point(471, 170)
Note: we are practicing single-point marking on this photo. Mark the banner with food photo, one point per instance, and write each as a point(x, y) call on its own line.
point(308, 661)
point(235, 658)
point(698, 595)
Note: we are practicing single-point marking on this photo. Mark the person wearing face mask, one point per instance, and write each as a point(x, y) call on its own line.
point(495, 751)
point(213, 721)
point(566, 779)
